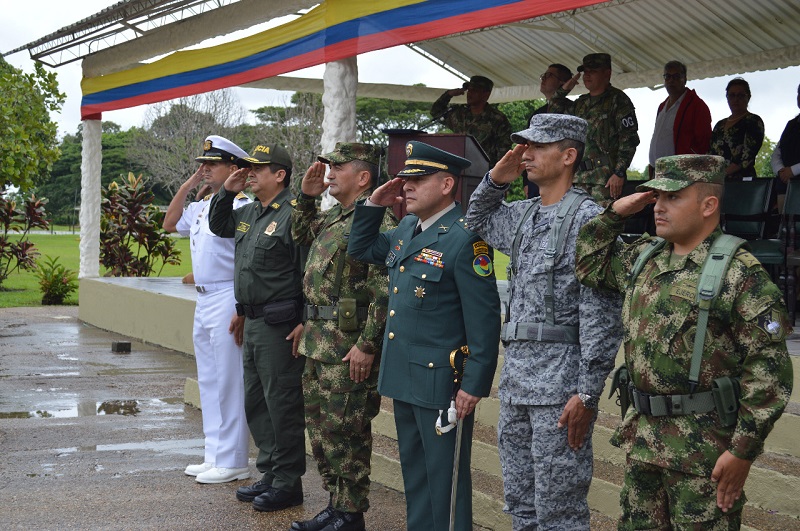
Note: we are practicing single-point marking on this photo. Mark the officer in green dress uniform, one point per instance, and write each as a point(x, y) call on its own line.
point(267, 286)
point(442, 296)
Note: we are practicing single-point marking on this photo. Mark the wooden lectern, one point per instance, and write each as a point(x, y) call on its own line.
point(462, 145)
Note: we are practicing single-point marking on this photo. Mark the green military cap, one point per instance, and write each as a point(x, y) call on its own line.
point(270, 154)
point(479, 82)
point(679, 171)
point(347, 151)
point(595, 60)
point(423, 159)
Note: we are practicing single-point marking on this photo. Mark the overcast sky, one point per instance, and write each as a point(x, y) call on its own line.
point(774, 92)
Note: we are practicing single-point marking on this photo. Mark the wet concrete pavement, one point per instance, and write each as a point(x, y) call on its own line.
point(90, 439)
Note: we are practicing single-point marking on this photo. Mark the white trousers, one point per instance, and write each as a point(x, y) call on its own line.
point(221, 382)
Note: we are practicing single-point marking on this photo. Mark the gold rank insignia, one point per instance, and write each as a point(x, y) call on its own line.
point(207, 145)
point(419, 292)
point(293, 202)
point(442, 227)
point(243, 227)
point(409, 149)
point(276, 206)
point(209, 196)
point(271, 228)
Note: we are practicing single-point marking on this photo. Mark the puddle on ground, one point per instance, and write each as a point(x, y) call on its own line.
point(65, 409)
point(180, 446)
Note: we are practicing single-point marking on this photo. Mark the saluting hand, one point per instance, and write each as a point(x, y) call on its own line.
point(388, 194)
point(631, 204)
point(237, 181)
point(509, 167)
point(571, 82)
point(314, 180)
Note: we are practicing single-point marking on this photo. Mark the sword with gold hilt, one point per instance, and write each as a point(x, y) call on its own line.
point(452, 417)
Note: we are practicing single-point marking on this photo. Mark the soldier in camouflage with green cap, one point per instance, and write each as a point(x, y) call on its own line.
point(686, 464)
point(613, 129)
point(345, 318)
point(478, 118)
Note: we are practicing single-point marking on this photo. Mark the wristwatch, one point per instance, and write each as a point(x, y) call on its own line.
point(589, 402)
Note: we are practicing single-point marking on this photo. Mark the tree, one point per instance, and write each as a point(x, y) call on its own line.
point(28, 145)
point(174, 132)
point(764, 159)
point(375, 114)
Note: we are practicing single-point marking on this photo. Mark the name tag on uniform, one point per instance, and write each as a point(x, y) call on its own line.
point(243, 227)
point(684, 290)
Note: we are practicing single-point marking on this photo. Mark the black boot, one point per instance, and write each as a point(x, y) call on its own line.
point(343, 521)
point(318, 522)
point(251, 492)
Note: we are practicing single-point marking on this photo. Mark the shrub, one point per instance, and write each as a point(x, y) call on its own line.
point(21, 252)
point(132, 242)
point(56, 281)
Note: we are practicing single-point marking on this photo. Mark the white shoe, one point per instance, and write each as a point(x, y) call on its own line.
point(222, 475)
point(193, 470)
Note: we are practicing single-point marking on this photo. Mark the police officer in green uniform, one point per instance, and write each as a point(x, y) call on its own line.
point(267, 286)
point(442, 296)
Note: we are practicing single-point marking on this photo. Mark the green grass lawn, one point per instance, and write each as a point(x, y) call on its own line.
point(22, 288)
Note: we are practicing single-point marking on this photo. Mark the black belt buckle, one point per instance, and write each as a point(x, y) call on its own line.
point(641, 400)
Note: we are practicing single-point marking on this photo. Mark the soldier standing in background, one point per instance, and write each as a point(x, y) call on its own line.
point(345, 316)
point(478, 118)
point(612, 138)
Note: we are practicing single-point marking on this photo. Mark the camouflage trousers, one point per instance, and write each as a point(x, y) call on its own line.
point(658, 498)
point(545, 481)
point(339, 413)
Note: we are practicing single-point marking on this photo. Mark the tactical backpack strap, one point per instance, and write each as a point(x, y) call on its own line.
point(511, 270)
point(555, 244)
point(653, 246)
point(712, 274)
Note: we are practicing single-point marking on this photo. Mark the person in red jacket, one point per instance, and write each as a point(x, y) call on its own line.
point(683, 122)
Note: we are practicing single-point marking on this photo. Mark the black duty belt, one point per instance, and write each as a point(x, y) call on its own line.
point(252, 311)
point(671, 405)
point(597, 162)
point(330, 313)
point(539, 332)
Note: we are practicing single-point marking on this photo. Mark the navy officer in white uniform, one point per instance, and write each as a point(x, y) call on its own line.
point(217, 332)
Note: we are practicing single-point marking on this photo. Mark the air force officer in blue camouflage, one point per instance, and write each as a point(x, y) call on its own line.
point(561, 338)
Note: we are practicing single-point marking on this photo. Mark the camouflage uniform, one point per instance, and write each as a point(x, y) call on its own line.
point(490, 128)
point(745, 338)
point(339, 411)
point(546, 482)
point(611, 141)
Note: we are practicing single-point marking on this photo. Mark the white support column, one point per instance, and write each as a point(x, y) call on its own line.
point(340, 82)
point(91, 163)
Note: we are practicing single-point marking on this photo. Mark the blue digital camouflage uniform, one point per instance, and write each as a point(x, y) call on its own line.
point(545, 481)
point(745, 338)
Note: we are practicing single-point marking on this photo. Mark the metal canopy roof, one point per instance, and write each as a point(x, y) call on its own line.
point(712, 37)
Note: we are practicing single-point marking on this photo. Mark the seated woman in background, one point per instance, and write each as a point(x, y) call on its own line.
point(738, 137)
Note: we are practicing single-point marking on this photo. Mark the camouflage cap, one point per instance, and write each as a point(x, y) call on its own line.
point(218, 148)
point(270, 154)
point(347, 151)
point(679, 171)
point(595, 60)
point(423, 159)
point(479, 82)
point(546, 128)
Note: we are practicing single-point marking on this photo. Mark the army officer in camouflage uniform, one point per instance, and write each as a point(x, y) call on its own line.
point(687, 470)
point(550, 383)
point(613, 130)
point(478, 118)
point(442, 296)
point(267, 285)
point(345, 318)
